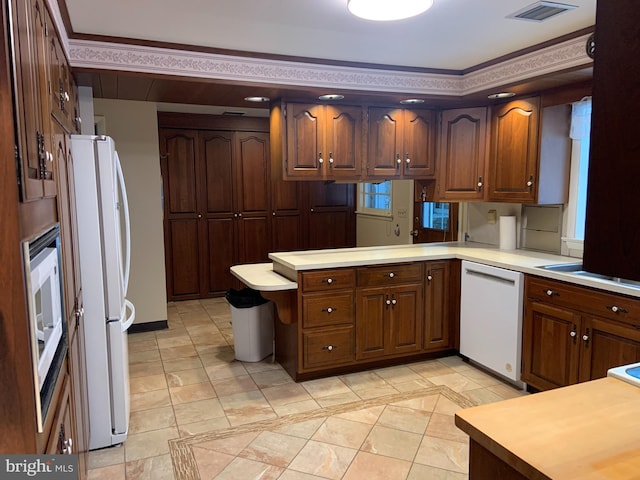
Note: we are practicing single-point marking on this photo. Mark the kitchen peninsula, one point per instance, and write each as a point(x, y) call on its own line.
point(341, 310)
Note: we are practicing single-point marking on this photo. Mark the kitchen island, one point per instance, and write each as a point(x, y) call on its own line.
point(580, 432)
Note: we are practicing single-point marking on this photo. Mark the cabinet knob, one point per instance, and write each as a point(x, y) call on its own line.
point(330, 348)
point(329, 281)
point(616, 309)
point(66, 96)
point(329, 309)
point(200, 215)
point(240, 214)
point(320, 159)
point(572, 333)
point(480, 184)
point(530, 182)
point(391, 274)
point(429, 277)
point(330, 159)
point(549, 292)
point(585, 337)
point(393, 301)
point(387, 301)
point(398, 160)
point(407, 160)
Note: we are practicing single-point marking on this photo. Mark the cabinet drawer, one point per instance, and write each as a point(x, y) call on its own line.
point(390, 275)
point(328, 279)
point(584, 299)
point(327, 309)
point(328, 348)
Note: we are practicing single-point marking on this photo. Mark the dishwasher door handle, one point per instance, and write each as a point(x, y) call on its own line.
point(489, 276)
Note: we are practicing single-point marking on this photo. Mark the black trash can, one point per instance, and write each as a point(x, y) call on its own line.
point(252, 323)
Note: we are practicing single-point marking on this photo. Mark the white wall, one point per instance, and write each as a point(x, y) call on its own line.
point(371, 230)
point(134, 127)
point(474, 221)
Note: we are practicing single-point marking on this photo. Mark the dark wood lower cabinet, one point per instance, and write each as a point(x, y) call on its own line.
point(572, 334)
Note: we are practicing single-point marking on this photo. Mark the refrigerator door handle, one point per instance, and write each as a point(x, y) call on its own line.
point(128, 320)
point(127, 224)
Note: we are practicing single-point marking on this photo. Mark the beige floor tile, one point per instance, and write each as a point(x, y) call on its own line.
point(145, 369)
point(296, 407)
point(187, 306)
point(338, 399)
point(198, 411)
point(445, 454)
point(203, 329)
point(247, 407)
point(143, 345)
point(424, 472)
point(183, 351)
point(399, 374)
point(148, 400)
point(144, 356)
point(210, 464)
point(195, 319)
point(446, 406)
point(233, 385)
point(392, 443)
point(413, 385)
point(406, 419)
point(342, 432)
point(153, 468)
point(169, 333)
point(507, 391)
point(431, 368)
point(325, 387)
point(273, 449)
point(293, 475)
point(323, 460)
point(186, 377)
point(232, 445)
point(152, 419)
point(140, 337)
point(204, 426)
point(225, 370)
point(174, 340)
point(105, 457)
point(286, 394)
point(218, 339)
point(113, 472)
point(453, 361)
point(424, 404)
point(376, 392)
point(305, 429)
point(363, 381)
point(443, 426)
point(242, 469)
point(376, 467)
point(455, 381)
point(270, 378)
point(482, 396)
point(180, 364)
point(149, 444)
point(191, 393)
point(147, 384)
point(263, 366)
point(366, 415)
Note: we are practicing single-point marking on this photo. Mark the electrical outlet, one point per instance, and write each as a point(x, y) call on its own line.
point(402, 213)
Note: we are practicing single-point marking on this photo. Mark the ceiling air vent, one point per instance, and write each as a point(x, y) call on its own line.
point(541, 11)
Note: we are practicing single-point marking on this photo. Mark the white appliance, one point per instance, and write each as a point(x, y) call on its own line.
point(101, 207)
point(491, 305)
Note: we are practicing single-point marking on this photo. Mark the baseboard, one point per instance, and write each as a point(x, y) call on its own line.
point(148, 326)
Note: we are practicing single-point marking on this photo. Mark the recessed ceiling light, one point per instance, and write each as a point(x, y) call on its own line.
point(411, 101)
point(257, 99)
point(493, 96)
point(386, 10)
point(331, 96)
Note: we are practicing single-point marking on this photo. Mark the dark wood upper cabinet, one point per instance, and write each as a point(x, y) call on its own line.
point(401, 143)
point(612, 230)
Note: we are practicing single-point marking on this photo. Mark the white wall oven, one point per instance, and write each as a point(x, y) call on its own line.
point(46, 320)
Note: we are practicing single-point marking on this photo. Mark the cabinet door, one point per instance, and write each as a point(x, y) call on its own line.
point(305, 140)
point(550, 346)
point(513, 164)
point(344, 135)
point(286, 216)
point(330, 219)
point(418, 157)
point(385, 143)
point(405, 319)
point(372, 313)
point(605, 345)
point(183, 259)
point(462, 153)
point(437, 327)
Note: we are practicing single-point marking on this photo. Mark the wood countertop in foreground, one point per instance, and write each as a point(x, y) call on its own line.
point(586, 431)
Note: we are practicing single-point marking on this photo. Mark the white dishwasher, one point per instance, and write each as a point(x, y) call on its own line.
point(491, 304)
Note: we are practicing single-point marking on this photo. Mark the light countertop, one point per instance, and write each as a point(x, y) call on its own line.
point(579, 432)
point(262, 277)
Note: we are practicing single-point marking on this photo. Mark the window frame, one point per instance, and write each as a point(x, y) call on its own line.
point(363, 194)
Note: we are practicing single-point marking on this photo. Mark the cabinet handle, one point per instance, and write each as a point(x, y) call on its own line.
point(240, 214)
point(551, 293)
point(393, 300)
point(429, 277)
point(330, 159)
point(328, 280)
point(330, 348)
point(329, 309)
point(573, 333)
point(67, 446)
point(530, 182)
point(398, 160)
point(585, 337)
point(200, 215)
point(480, 183)
point(407, 160)
point(616, 309)
point(320, 159)
point(390, 275)
point(387, 301)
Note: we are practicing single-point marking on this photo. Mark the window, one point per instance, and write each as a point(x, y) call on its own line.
point(375, 198)
point(576, 207)
point(435, 216)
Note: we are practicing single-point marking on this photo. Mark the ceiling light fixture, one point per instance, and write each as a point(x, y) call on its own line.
point(411, 101)
point(331, 96)
point(257, 99)
point(386, 10)
point(494, 96)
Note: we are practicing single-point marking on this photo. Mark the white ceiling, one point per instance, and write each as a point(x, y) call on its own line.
point(453, 34)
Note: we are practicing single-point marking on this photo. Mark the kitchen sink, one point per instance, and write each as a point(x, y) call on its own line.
point(564, 267)
point(627, 373)
point(576, 269)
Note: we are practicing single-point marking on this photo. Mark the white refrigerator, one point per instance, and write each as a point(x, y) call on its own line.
point(104, 248)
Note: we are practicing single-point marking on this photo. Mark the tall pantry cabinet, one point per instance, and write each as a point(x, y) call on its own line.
point(38, 112)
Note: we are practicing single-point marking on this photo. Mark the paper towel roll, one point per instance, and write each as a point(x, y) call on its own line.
point(508, 233)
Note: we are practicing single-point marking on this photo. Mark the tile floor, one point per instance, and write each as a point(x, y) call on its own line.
point(185, 381)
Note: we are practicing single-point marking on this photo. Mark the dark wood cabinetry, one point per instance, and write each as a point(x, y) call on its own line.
point(573, 334)
point(462, 154)
point(439, 317)
point(217, 207)
point(612, 219)
point(401, 143)
point(323, 141)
